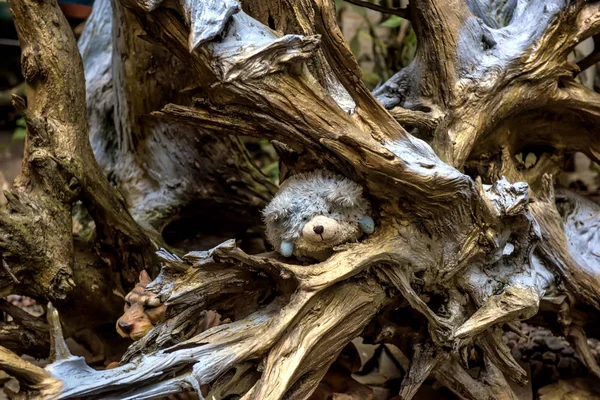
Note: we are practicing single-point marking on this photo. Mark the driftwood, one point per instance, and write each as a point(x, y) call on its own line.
point(468, 239)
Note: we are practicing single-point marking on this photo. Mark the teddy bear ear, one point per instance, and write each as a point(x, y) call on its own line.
point(273, 214)
point(144, 278)
point(344, 198)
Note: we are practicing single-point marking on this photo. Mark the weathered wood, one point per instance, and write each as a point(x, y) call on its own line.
point(425, 358)
point(37, 383)
point(473, 99)
point(25, 334)
point(166, 171)
point(59, 170)
point(465, 255)
point(172, 185)
point(59, 166)
point(136, 128)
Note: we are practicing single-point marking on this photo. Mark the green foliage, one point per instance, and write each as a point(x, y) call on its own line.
point(370, 78)
point(4, 12)
point(409, 48)
point(20, 131)
point(270, 161)
point(272, 171)
point(383, 44)
point(392, 22)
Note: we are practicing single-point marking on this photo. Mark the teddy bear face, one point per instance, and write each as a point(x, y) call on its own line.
point(314, 212)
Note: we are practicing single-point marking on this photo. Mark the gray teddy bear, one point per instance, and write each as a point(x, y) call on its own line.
point(315, 211)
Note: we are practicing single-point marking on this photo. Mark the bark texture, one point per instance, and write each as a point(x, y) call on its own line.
point(40, 255)
point(194, 187)
point(166, 171)
point(469, 240)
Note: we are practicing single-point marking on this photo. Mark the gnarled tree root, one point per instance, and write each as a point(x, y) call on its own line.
point(465, 257)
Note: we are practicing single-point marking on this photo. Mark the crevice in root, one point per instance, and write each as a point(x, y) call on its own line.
point(495, 349)
point(425, 358)
point(334, 318)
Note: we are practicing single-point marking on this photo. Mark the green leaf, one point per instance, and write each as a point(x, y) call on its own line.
point(267, 148)
point(409, 47)
point(339, 4)
point(19, 133)
point(364, 35)
point(393, 22)
point(21, 122)
point(381, 44)
point(272, 171)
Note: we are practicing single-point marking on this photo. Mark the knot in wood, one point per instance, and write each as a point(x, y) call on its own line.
point(31, 65)
point(74, 185)
point(41, 158)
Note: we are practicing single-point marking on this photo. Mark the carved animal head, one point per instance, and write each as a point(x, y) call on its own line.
point(314, 212)
point(142, 310)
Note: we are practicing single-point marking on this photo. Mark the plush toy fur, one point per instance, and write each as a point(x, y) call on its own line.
point(313, 212)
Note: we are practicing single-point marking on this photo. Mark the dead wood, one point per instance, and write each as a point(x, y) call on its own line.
point(468, 239)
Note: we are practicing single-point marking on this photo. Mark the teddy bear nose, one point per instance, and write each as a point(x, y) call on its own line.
point(318, 229)
point(125, 327)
